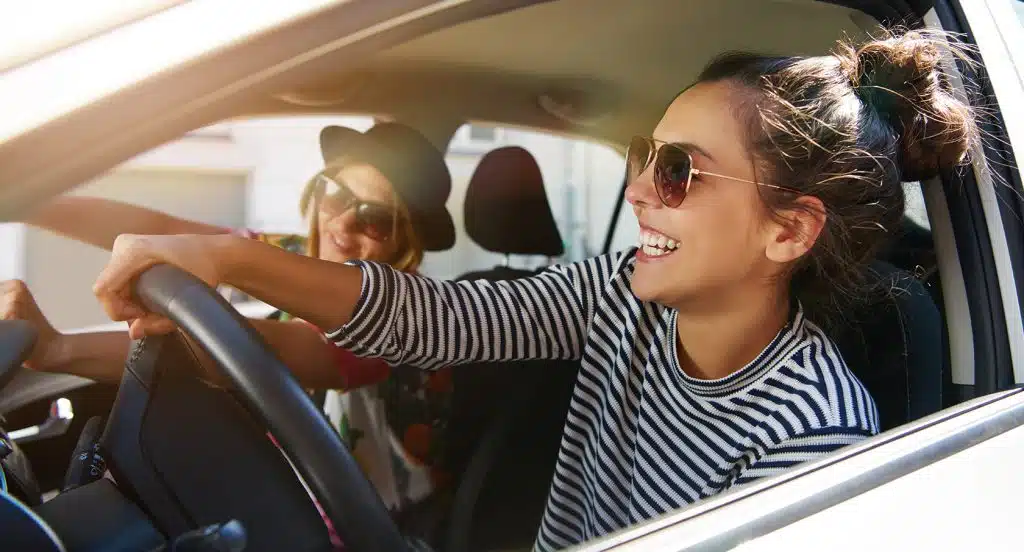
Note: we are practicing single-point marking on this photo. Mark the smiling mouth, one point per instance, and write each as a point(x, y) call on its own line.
point(654, 244)
point(344, 247)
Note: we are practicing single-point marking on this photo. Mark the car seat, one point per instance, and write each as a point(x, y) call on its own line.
point(893, 341)
point(508, 418)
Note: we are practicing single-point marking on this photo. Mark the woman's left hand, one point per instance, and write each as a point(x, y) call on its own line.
point(132, 255)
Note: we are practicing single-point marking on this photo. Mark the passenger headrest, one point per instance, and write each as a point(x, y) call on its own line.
point(506, 209)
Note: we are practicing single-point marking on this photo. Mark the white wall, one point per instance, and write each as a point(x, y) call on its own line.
point(12, 251)
point(61, 272)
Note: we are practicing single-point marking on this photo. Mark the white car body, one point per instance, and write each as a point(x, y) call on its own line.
point(950, 481)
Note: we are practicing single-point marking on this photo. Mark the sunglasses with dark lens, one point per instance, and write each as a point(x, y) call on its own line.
point(374, 220)
point(673, 169)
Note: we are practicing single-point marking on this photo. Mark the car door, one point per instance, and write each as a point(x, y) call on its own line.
point(941, 483)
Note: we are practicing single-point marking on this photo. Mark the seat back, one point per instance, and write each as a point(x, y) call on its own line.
point(894, 343)
point(507, 417)
point(507, 212)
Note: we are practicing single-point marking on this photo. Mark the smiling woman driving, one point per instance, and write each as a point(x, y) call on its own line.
point(765, 190)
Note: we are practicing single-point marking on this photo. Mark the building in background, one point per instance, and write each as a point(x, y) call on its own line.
point(249, 174)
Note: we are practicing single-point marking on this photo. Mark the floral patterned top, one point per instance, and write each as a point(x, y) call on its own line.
point(393, 419)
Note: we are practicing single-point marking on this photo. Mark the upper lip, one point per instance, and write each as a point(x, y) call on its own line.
point(644, 227)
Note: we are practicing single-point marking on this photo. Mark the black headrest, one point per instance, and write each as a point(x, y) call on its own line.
point(506, 208)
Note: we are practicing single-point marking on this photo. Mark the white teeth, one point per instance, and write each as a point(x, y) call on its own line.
point(652, 251)
point(656, 244)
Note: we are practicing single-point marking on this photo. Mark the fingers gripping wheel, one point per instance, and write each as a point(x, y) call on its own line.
point(269, 391)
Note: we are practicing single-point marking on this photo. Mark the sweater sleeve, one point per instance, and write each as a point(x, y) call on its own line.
point(408, 319)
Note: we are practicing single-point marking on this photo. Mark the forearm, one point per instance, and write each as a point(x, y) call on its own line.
point(99, 221)
point(97, 356)
point(321, 292)
point(304, 351)
point(407, 319)
point(101, 356)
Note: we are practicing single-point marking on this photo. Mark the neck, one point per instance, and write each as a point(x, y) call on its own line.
point(718, 341)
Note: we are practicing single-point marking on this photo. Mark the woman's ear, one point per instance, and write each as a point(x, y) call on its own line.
point(795, 229)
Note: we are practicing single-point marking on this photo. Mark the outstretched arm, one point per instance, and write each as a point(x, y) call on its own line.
point(100, 356)
point(400, 318)
point(99, 221)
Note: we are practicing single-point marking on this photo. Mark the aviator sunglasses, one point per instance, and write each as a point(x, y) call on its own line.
point(673, 169)
point(372, 219)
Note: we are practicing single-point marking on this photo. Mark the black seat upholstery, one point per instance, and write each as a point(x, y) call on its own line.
point(507, 418)
point(894, 342)
point(506, 208)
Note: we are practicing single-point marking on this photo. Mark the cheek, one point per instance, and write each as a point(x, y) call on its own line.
point(719, 243)
point(375, 250)
point(716, 230)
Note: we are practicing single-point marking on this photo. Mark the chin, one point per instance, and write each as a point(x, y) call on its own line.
point(661, 283)
point(643, 288)
point(334, 257)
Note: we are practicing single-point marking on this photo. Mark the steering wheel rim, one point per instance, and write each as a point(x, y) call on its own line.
point(17, 338)
point(272, 394)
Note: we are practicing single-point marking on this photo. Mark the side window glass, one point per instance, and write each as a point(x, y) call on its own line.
point(582, 179)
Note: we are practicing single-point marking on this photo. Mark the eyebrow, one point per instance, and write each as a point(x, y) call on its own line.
point(687, 146)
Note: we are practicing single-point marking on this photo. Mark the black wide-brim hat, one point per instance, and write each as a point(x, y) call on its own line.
point(415, 168)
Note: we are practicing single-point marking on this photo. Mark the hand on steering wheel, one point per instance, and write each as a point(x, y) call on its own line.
point(17, 303)
point(133, 254)
point(280, 404)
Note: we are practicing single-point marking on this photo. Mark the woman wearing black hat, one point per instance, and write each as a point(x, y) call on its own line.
point(381, 197)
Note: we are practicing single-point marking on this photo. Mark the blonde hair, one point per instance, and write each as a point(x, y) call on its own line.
point(409, 248)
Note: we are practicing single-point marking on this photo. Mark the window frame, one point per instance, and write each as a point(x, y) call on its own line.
point(463, 143)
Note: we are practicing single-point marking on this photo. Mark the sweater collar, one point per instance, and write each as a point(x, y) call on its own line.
point(780, 348)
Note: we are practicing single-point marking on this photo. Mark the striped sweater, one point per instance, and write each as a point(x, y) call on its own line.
point(641, 438)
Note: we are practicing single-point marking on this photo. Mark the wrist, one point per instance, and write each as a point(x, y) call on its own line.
point(227, 256)
point(58, 352)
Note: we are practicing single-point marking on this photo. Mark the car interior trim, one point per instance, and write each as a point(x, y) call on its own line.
point(1001, 185)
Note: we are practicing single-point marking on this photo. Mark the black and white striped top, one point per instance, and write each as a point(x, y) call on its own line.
point(641, 438)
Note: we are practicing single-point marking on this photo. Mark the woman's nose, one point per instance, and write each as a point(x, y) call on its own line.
point(344, 221)
point(640, 192)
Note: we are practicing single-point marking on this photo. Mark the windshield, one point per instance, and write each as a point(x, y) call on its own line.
point(29, 30)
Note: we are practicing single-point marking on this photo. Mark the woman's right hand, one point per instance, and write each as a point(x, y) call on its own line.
point(132, 255)
point(17, 303)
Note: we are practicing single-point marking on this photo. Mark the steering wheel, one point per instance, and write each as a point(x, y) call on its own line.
point(17, 337)
point(273, 396)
